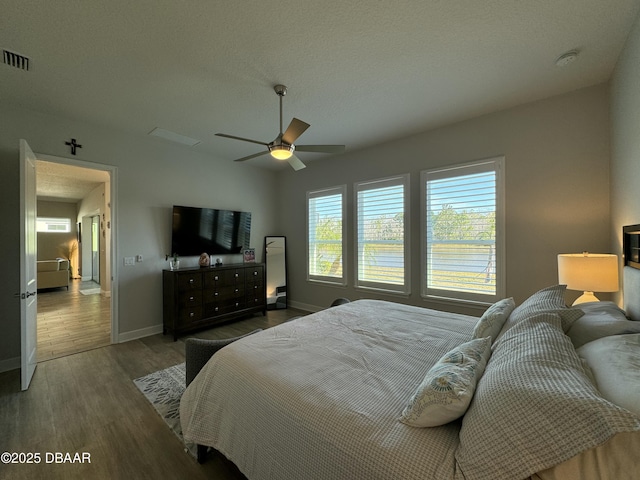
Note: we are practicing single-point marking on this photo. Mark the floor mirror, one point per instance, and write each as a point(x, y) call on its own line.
point(275, 254)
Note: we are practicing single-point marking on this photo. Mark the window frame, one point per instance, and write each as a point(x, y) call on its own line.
point(497, 165)
point(53, 220)
point(325, 192)
point(403, 289)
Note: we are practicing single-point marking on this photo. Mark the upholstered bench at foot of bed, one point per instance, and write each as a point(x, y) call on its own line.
point(198, 351)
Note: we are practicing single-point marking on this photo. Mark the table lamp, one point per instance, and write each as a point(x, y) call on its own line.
point(589, 272)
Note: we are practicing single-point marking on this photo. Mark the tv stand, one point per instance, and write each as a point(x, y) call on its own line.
point(195, 298)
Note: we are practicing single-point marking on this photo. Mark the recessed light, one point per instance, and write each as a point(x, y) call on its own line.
point(566, 58)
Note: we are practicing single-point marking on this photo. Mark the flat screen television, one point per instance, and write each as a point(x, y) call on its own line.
point(216, 232)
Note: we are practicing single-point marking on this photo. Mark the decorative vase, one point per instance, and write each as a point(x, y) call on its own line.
point(174, 264)
point(204, 260)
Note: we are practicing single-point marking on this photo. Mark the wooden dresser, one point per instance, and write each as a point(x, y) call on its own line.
point(200, 297)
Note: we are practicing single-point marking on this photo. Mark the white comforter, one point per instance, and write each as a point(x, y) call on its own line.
point(320, 397)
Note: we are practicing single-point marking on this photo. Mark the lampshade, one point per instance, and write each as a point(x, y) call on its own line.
point(281, 152)
point(589, 272)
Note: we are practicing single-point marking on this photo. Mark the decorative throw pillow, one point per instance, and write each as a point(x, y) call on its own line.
point(547, 300)
point(447, 389)
point(493, 319)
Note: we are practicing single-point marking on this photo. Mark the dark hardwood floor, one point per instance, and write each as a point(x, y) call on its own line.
point(87, 403)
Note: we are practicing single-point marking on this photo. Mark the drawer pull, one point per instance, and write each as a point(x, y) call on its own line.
point(215, 309)
point(215, 294)
point(191, 299)
point(237, 304)
point(255, 274)
point(216, 277)
point(236, 275)
point(191, 280)
point(237, 290)
point(191, 314)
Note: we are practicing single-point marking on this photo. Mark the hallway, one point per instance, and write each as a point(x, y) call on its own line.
point(70, 322)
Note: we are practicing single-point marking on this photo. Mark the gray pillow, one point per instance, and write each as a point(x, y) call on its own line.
point(600, 319)
point(550, 299)
point(534, 407)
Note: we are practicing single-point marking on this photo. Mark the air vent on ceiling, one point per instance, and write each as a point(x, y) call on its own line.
point(15, 60)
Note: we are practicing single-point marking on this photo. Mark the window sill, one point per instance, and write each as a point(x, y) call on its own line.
point(472, 304)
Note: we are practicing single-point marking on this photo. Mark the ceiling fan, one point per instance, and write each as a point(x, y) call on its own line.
point(282, 147)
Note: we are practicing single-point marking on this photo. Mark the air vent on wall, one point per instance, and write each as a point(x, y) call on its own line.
point(15, 60)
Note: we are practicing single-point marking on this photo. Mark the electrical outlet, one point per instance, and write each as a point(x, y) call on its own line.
point(138, 258)
point(128, 261)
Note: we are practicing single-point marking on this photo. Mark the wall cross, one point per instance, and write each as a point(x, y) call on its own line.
point(73, 145)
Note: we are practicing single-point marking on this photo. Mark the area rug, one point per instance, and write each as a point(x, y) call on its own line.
point(90, 291)
point(163, 389)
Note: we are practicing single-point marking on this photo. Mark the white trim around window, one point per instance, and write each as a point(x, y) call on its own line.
point(462, 232)
point(326, 239)
point(382, 247)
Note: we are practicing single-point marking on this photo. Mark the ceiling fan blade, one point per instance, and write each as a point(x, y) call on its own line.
point(249, 157)
point(240, 138)
point(294, 130)
point(321, 148)
point(296, 163)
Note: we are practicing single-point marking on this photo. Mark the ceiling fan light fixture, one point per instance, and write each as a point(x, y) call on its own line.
point(281, 152)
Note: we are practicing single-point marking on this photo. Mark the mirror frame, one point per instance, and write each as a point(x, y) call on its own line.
point(278, 304)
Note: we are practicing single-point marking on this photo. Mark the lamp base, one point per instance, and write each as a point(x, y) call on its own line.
point(586, 297)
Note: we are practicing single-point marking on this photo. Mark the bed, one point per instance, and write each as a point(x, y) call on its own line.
point(357, 392)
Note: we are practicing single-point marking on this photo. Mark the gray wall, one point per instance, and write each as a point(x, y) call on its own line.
point(557, 190)
point(625, 139)
point(152, 176)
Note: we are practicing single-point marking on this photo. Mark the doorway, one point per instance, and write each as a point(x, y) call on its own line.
point(82, 317)
point(95, 249)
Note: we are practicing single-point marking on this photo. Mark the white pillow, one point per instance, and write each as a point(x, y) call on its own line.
point(600, 319)
point(493, 319)
point(615, 363)
point(447, 389)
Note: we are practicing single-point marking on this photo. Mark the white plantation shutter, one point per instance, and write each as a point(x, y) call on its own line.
point(463, 251)
point(325, 234)
point(381, 232)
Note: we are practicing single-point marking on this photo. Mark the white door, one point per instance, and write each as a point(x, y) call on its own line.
point(28, 285)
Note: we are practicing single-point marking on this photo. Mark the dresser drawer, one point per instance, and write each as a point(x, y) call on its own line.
point(221, 294)
point(223, 308)
point(189, 281)
point(190, 315)
point(223, 277)
point(190, 299)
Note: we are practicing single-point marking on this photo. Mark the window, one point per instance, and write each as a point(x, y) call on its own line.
point(382, 234)
point(463, 251)
point(53, 225)
point(325, 234)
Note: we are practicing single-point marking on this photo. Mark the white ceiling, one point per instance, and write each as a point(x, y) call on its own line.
point(359, 72)
point(58, 182)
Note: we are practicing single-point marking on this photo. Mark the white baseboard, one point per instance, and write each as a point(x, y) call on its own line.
point(141, 333)
point(9, 364)
point(305, 306)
